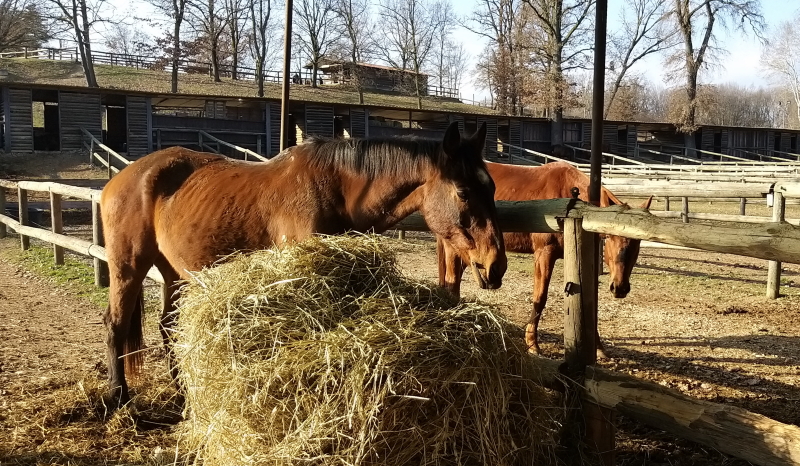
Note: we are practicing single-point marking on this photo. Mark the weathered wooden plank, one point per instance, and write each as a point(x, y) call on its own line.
point(729, 429)
point(318, 121)
point(20, 120)
point(57, 226)
point(139, 135)
point(79, 111)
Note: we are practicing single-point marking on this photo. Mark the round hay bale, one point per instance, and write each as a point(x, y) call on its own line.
point(323, 353)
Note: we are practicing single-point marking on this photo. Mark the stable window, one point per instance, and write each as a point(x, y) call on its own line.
point(46, 121)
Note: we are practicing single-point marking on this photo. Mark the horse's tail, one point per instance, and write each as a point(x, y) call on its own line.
point(440, 257)
point(134, 340)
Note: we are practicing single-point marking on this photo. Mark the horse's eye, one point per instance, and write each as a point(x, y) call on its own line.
point(463, 194)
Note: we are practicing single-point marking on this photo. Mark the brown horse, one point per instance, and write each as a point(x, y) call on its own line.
point(550, 181)
point(182, 210)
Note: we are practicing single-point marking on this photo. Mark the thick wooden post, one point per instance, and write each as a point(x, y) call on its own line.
point(685, 209)
point(108, 161)
point(3, 231)
point(100, 267)
point(580, 333)
point(743, 206)
point(774, 269)
point(666, 203)
point(57, 225)
point(24, 241)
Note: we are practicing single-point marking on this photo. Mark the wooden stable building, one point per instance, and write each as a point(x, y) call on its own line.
point(53, 118)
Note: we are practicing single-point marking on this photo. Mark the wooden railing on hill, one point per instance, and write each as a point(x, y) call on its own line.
point(90, 143)
point(226, 70)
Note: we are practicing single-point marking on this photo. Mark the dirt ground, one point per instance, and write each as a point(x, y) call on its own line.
point(694, 321)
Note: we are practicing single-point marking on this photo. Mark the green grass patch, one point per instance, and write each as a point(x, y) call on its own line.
point(75, 274)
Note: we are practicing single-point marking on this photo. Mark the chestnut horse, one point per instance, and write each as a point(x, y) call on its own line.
point(182, 210)
point(550, 181)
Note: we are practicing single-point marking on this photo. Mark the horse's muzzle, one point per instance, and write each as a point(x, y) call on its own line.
point(490, 279)
point(620, 291)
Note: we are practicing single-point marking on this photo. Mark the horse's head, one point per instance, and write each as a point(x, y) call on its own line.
point(620, 256)
point(459, 206)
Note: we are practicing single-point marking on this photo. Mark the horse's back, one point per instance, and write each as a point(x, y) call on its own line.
point(154, 176)
point(549, 181)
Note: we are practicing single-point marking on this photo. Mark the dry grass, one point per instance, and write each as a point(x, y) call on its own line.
point(66, 73)
point(323, 353)
point(66, 421)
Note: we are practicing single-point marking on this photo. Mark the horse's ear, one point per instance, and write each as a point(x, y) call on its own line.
point(479, 138)
point(646, 204)
point(452, 139)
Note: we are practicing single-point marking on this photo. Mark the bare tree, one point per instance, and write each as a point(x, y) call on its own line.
point(79, 18)
point(697, 22)
point(643, 33)
point(443, 45)
point(500, 21)
point(356, 32)
point(782, 58)
point(176, 11)
point(263, 34)
point(314, 31)
point(560, 41)
point(21, 25)
point(236, 12)
point(412, 28)
point(127, 40)
point(456, 63)
point(209, 21)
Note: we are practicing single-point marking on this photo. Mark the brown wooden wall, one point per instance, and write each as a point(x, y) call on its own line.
point(140, 127)
point(359, 128)
point(79, 111)
point(273, 128)
point(491, 135)
point(19, 125)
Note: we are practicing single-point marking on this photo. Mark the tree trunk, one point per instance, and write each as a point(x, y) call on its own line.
point(83, 42)
point(260, 74)
point(215, 59)
point(176, 51)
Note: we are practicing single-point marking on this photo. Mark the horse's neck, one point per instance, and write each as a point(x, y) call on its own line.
point(380, 203)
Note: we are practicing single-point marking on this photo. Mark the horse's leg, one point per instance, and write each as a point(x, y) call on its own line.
point(544, 261)
point(451, 267)
point(168, 299)
point(123, 322)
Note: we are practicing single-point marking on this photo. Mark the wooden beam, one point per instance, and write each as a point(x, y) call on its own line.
point(22, 198)
point(57, 226)
point(100, 266)
point(3, 231)
point(729, 429)
point(774, 267)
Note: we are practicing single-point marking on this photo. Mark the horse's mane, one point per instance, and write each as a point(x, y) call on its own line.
point(404, 157)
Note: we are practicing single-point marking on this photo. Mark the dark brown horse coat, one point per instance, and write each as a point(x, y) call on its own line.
point(549, 181)
point(182, 210)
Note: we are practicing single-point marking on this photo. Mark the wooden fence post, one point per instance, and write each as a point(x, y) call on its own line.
point(24, 241)
point(100, 267)
point(774, 269)
point(580, 333)
point(685, 209)
point(666, 203)
point(743, 206)
point(56, 225)
point(108, 161)
point(3, 231)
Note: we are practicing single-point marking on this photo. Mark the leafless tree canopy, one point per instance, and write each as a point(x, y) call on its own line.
point(79, 18)
point(21, 25)
point(313, 31)
point(782, 58)
point(698, 23)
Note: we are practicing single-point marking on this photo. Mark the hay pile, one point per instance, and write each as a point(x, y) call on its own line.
point(322, 353)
